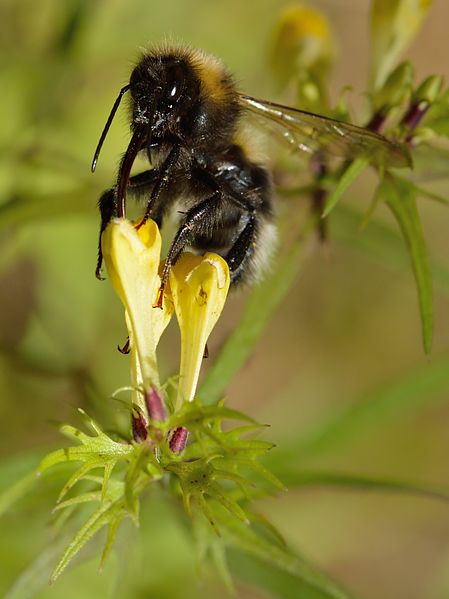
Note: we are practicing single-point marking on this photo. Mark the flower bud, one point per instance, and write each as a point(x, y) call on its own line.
point(429, 90)
point(396, 90)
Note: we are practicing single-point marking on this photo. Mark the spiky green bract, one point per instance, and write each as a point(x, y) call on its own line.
point(217, 476)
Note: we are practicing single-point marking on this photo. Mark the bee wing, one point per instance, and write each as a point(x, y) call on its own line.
point(310, 132)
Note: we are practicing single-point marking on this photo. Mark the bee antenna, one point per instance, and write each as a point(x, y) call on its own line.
point(108, 124)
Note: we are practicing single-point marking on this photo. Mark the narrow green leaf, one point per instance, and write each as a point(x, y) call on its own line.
point(78, 499)
point(103, 516)
point(110, 539)
point(300, 478)
point(218, 551)
point(400, 196)
point(76, 476)
point(34, 578)
point(397, 397)
point(263, 301)
point(108, 512)
point(351, 173)
point(16, 491)
point(246, 540)
point(196, 413)
point(380, 242)
point(273, 579)
point(432, 196)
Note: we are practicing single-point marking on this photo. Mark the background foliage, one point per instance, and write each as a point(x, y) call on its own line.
point(339, 371)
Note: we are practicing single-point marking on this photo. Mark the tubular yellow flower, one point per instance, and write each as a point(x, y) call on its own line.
point(132, 262)
point(199, 286)
point(394, 24)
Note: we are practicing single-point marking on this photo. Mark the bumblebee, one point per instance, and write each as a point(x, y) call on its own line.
point(186, 117)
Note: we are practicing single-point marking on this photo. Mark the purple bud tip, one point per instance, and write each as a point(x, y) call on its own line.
point(178, 439)
point(139, 427)
point(155, 405)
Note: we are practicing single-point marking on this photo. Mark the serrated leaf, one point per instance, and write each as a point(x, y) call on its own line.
point(219, 494)
point(400, 196)
point(110, 539)
point(193, 413)
point(78, 499)
point(97, 450)
point(111, 511)
point(76, 476)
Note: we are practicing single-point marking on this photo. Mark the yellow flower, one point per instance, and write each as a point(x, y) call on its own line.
point(132, 260)
point(199, 286)
point(302, 47)
point(394, 24)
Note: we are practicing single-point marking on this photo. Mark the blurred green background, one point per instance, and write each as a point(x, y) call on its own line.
point(339, 373)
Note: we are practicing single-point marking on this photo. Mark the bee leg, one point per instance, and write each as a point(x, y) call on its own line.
point(161, 181)
point(108, 209)
point(192, 224)
point(242, 250)
point(108, 206)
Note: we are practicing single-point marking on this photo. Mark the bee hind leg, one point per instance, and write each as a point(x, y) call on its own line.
point(242, 250)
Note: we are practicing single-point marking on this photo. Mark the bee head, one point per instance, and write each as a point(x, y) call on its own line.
point(163, 90)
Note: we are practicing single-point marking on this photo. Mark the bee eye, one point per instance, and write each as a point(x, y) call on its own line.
point(175, 83)
point(174, 91)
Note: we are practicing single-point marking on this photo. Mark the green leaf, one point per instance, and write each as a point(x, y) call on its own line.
point(263, 301)
point(195, 413)
point(400, 196)
point(110, 512)
point(301, 478)
point(273, 579)
point(395, 398)
point(380, 242)
point(16, 491)
point(95, 451)
point(349, 175)
point(34, 578)
point(437, 117)
point(280, 557)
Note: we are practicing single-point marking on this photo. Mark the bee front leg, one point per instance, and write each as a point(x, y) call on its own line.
point(108, 209)
point(139, 184)
point(161, 181)
point(194, 222)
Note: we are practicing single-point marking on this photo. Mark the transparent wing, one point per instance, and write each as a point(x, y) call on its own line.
point(310, 132)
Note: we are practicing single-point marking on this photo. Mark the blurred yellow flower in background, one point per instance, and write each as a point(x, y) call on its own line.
point(394, 24)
